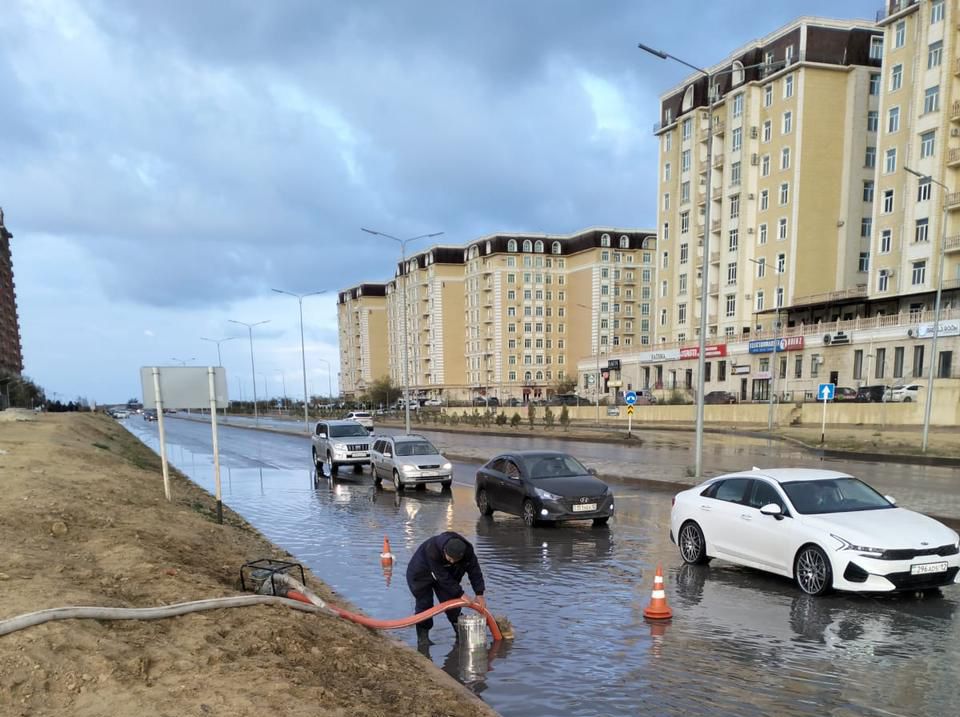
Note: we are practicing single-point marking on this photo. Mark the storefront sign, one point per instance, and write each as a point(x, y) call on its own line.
point(659, 356)
point(737, 370)
point(947, 328)
point(712, 351)
point(785, 343)
point(613, 365)
point(761, 375)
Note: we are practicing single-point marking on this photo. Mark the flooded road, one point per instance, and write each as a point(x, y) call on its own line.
point(741, 643)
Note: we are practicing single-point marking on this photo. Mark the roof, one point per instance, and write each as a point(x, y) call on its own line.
point(787, 475)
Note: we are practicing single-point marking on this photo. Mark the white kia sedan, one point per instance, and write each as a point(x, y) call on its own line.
point(826, 530)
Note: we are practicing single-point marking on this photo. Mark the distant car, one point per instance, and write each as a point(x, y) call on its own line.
point(845, 393)
point(904, 393)
point(871, 394)
point(340, 443)
point(514, 402)
point(715, 397)
point(364, 418)
point(491, 401)
point(433, 402)
point(826, 530)
point(645, 397)
point(542, 486)
point(120, 415)
point(150, 414)
point(409, 460)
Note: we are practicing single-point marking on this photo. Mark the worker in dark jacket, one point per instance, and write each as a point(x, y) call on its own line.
point(438, 566)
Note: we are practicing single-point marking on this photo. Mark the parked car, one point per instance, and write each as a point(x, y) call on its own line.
point(645, 397)
point(542, 487)
point(409, 460)
point(871, 394)
point(121, 414)
point(845, 393)
point(401, 406)
point(715, 397)
point(491, 401)
point(826, 530)
point(364, 418)
point(903, 393)
point(513, 402)
point(433, 402)
point(569, 399)
point(340, 443)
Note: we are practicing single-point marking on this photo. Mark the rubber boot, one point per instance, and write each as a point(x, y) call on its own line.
point(423, 635)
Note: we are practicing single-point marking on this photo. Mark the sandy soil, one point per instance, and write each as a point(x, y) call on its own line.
point(83, 522)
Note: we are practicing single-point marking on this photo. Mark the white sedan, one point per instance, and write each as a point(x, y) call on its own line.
point(825, 529)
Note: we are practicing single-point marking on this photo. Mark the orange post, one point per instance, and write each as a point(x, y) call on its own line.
point(658, 608)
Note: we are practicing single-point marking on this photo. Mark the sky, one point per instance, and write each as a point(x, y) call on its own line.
point(165, 163)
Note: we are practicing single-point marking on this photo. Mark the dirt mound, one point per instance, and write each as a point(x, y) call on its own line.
point(17, 414)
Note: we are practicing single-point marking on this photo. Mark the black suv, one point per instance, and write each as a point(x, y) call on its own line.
point(870, 394)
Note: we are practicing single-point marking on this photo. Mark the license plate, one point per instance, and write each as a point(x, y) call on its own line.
point(359, 455)
point(925, 568)
point(586, 507)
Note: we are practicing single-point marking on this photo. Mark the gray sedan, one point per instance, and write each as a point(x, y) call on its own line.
point(409, 460)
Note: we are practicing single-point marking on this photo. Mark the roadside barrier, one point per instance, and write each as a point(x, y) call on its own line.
point(658, 608)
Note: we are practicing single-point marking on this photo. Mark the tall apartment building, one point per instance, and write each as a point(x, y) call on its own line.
point(11, 354)
point(362, 322)
point(791, 154)
point(508, 315)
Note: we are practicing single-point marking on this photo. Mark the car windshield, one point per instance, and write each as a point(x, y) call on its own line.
point(357, 414)
point(348, 430)
point(838, 495)
point(416, 448)
point(555, 467)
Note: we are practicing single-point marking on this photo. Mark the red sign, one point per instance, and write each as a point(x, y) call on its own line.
point(712, 351)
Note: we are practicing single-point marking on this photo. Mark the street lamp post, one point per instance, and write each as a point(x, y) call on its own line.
point(403, 302)
point(597, 350)
point(936, 310)
point(253, 371)
point(704, 294)
point(329, 377)
point(303, 353)
point(283, 382)
point(775, 362)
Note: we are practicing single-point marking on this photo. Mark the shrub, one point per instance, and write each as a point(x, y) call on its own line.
point(565, 418)
point(501, 419)
point(531, 414)
point(515, 420)
point(548, 419)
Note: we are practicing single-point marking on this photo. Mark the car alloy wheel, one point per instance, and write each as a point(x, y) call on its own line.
point(330, 466)
point(813, 571)
point(483, 503)
point(529, 514)
point(907, 399)
point(692, 545)
point(316, 461)
point(396, 482)
point(446, 485)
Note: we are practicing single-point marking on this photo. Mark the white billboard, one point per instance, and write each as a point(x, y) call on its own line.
point(184, 386)
point(947, 328)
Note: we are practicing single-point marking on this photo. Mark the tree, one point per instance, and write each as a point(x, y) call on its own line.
point(381, 392)
point(515, 420)
point(565, 386)
point(548, 418)
point(531, 414)
point(565, 418)
point(19, 391)
point(501, 419)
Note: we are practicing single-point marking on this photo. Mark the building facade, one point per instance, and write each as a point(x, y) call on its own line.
point(11, 353)
point(362, 324)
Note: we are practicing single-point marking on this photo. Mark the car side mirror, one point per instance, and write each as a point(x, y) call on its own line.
point(592, 471)
point(772, 509)
point(387, 454)
point(890, 499)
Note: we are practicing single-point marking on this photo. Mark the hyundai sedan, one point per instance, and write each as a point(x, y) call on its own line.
point(542, 487)
point(824, 529)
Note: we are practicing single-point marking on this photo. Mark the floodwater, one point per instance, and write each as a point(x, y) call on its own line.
point(740, 643)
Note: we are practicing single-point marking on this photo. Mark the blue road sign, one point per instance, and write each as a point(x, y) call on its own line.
point(630, 397)
point(825, 391)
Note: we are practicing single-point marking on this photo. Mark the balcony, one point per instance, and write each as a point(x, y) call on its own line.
point(718, 161)
point(955, 111)
point(714, 288)
point(953, 157)
point(718, 127)
point(953, 200)
point(715, 225)
point(956, 66)
point(951, 244)
point(714, 257)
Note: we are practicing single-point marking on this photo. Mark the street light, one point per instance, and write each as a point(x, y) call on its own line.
point(704, 295)
point(283, 381)
point(184, 362)
point(303, 353)
point(775, 362)
point(403, 302)
point(329, 377)
point(218, 342)
point(936, 310)
point(597, 386)
point(253, 373)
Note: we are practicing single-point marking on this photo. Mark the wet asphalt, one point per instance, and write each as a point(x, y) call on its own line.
point(740, 643)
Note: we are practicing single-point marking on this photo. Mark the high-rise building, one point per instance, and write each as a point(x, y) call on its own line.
point(362, 320)
point(11, 354)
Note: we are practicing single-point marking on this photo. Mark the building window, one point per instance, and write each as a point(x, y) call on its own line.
point(869, 162)
point(858, 364)
point(886, 241)
point(936, 11)
point(868, 191)
point(898, 353)
point(681, 313)
point(684, 192)
point(684, 222)
point(732, 274)
point(782, 229)
point(624, 242)
point(890, 161)
point(686, 128)
point(666, 259)
point(788, 86)
point(863, 265)
point(788, 54)
point(735, 174)
point(685, 160)
point(883, 280)
point(666, 172)
point(736, 139)
point(787, 122)
point(666, 203)
point(921, 231)
point(556, 249)
point(785, 158)
point(768, 95)
point(927, 144)
point(668, 137)
point(781, 263)
point(899, 36)
point(734, 240)
point(682, 284)
point(761, 267)
point(605, 239)
point(735, 206)
point(784, 193)
point(919, 275)
point(764, 200)
point(684, 252)
point(923, 191)
point(887, 203)
point(663, 288)
point(762, 234)
point(917, 361)
point(663, 317)
point(759, 301)
point(765, 166)
point(767, 130)
point(866, 227)
point(880, 363)
point(738, 104)
point(876, 47)
point(934, 54)
point(931, 99)
point(512, 245)
point(893, 120)
point(896, 77)
point(873, 122)
point(874, 83)
point(731, 305)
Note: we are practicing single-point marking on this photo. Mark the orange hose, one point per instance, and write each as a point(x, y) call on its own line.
point(407, 621)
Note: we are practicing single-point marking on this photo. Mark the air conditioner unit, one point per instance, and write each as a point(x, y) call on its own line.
point(836, 339)
point(840, 222)
point(749, 230)
point(751, 196)
point(955, 132)
point(704, 114)
point(755, 159)
point(910, 333)
point(754, 132)
point(892, 272)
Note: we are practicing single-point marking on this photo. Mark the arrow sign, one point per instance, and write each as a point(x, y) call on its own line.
point(630, 397)
point(629, 410)
point(825, 391)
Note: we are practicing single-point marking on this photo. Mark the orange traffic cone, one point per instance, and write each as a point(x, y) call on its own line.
point(658, 608)
point(386, 557)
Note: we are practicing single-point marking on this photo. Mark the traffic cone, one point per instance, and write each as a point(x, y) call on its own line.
point(386, 557)
point(658, 608)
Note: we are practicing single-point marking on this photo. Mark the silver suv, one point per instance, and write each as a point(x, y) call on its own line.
point(340, 443)
point(409, 460)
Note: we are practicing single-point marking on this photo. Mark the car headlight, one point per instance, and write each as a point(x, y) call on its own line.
point(847, 545)
point(448, 466)
point(408, 468)
point(545, 494)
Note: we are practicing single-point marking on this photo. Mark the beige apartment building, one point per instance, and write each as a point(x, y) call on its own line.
point(814, 219)
point(362, 323)
point(508, 315)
